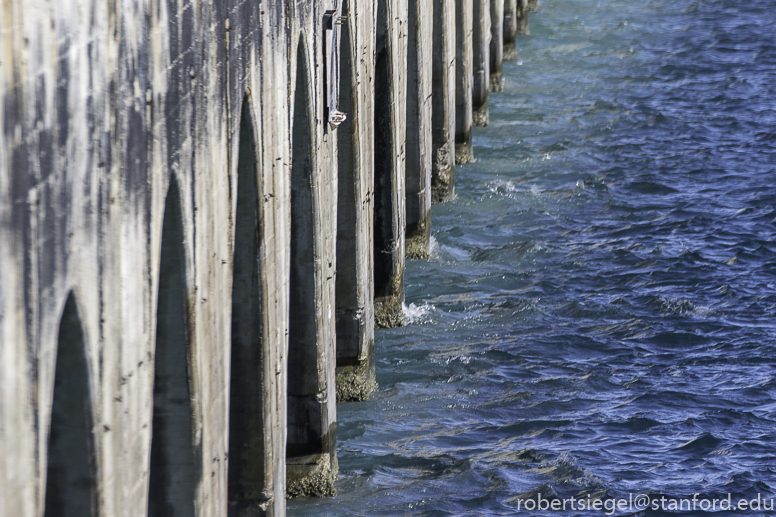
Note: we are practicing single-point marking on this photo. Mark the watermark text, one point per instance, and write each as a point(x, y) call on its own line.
point(644, 502)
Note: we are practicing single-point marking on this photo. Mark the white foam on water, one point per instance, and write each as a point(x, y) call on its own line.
point(433, 248)
point(685, 307)
point(507, 188)
point(417, 313)
point(566, 469)
point(501, 187)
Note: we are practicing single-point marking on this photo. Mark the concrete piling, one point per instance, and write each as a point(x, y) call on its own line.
point(464, 63)
point(389, 154)
point(355, 214)
point(250, 409)
point(481, 60)
point(196, 249)
point(515, 23)
point(496, 44)
point(443, 101)
point(420, 39)
point(311, 444)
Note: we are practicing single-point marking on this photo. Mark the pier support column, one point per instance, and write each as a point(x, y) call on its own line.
point(253, 418)
point(418, 160)
point(533, 5)
point(463, 81)
point(515, 22)
point(311, 452)
point(443, 102)
point(389, 140)
point(354, 294)
point(481, 75)
point(496, 44)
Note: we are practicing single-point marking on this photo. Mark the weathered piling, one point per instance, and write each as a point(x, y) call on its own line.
point(311, 456)
point(443, 101)
point(355, 214)
point(496, 44)
point(481, 53)
point(515, 22)
point(420, 40)
point(252, 406)
point(464, 63)
point(533, 5)
point(389, 144)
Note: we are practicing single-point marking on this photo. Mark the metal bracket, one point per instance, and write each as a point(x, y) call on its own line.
point(331, 21)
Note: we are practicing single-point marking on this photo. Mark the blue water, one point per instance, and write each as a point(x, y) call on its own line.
point(599, 316)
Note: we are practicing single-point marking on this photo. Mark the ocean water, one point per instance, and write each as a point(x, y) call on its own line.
point(599, 315)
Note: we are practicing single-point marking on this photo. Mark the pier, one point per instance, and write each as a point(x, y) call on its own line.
point(205, 211)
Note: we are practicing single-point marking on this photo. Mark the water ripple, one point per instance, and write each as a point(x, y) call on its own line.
point(599, 314)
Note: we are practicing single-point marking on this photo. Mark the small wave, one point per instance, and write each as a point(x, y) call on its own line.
point(433, 248)
point(502, 187)
point(509, 189)
point(684, 307)
point(705, 443)
point(417, 313)
point(568, 48)
point(763, 136)
point(448, 253)
point(652, 188)
point(677, 305)
point(544, 491)
point(557, 146)
point(565, 469)
point(464, 359)
point(528, 456)
point(701, 311)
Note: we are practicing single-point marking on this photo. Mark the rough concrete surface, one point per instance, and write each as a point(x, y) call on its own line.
point(481, 117)
point(390, 141)
point(311, 398)
point(355, 207)
point(356, 382)
point(443, 178)
point(464, 69)
point(317, 481)
point(418, 162)
point(418, 246)
point(443, 101)
point(481, 61)
point(496, 45)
